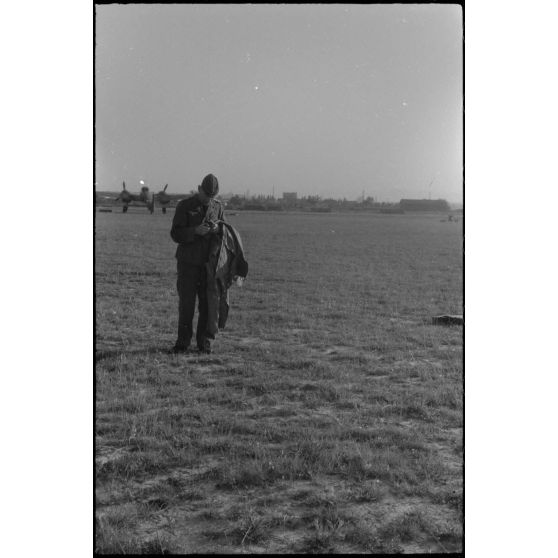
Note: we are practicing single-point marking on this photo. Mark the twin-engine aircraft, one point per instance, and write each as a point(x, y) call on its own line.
point(163, 198)
point(144, 199)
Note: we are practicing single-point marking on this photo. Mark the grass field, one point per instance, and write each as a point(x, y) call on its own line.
point(329, 417)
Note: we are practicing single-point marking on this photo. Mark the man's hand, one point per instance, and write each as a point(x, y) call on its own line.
point(202, 229)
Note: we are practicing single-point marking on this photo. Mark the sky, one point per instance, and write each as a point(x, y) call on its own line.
point(328, 100)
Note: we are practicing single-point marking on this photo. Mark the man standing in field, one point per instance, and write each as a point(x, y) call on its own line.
point(194, 223)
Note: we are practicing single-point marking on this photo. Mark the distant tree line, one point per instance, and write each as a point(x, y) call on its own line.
point(308, 203)
point(318, 204)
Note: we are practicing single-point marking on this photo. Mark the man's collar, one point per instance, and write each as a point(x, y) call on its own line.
point(201, 202)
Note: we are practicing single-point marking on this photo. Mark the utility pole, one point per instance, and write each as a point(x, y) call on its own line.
point(431, 182)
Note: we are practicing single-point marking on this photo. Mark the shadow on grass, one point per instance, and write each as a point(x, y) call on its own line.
point(104, 354)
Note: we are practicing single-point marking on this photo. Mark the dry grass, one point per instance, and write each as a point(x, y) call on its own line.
point(328, 419)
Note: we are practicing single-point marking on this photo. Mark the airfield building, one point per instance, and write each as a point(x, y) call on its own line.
point(289, 200)
point(424, 205)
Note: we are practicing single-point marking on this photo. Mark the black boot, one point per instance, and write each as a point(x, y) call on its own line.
point(180, 348)
point(182, 344)
point(204, 346)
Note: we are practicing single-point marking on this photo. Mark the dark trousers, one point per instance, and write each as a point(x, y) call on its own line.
point(192, 282)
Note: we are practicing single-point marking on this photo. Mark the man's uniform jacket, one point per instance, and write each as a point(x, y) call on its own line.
point(190, 213)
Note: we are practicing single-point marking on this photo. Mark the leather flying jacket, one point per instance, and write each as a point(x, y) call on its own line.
point(226, 263)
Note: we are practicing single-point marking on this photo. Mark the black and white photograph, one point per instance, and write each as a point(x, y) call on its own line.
point(278, 278)
point(279, 323)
